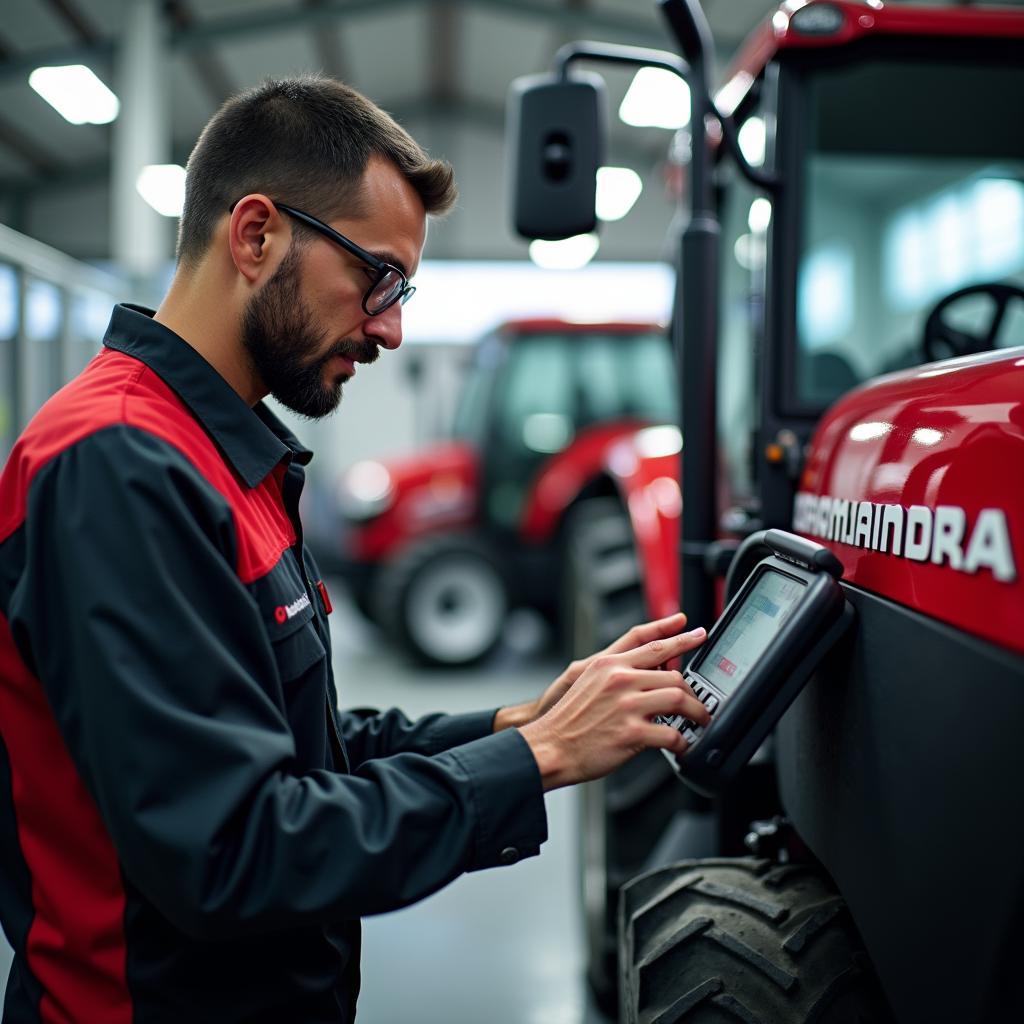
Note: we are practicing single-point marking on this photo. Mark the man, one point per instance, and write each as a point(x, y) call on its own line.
point(191, 829)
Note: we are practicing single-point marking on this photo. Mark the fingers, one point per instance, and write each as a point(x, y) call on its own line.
point(660, 650)
point(647, 631)
point(665, 738)
point(671, 700)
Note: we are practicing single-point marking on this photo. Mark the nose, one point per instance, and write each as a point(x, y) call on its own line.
point(386, 327)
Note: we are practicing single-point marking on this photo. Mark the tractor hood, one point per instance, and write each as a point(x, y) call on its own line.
point(916, 482)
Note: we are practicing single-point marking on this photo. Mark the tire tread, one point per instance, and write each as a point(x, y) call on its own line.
point(779, 945)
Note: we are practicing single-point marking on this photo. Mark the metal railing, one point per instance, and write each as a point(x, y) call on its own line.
point(53, 311)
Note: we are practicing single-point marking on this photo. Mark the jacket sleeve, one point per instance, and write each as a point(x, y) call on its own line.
point(162, 680)
point(370, 734)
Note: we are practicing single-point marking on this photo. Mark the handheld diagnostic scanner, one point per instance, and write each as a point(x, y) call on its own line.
point(757, 657)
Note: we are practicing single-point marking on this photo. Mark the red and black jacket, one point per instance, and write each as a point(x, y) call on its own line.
point(188, 828)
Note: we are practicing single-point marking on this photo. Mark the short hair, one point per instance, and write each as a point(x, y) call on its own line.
point(304, 140)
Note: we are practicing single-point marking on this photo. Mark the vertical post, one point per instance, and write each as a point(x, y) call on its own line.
point(141, 136)
point(19, 358)
point(65, 337)
point(695, 327)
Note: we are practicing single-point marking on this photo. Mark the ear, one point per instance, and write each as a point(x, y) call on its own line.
point(258, 236)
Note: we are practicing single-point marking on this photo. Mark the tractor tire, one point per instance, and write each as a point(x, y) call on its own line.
point(716, 941)
point(623, 816)
point(602, 586)
point(444, 599)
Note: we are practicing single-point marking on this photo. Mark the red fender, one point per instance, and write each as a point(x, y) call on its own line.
point(916, 482)
point(564, 475)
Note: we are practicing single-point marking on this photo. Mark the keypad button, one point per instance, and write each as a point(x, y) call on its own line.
point(711, 702)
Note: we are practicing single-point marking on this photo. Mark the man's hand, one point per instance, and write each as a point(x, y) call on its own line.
point(605, 719)
point(520, 714)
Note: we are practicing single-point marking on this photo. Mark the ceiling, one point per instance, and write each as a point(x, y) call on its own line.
point(442, 67)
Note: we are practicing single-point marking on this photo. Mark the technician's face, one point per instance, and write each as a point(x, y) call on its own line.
point(306, 330)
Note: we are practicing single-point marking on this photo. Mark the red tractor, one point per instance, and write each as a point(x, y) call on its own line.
point(437, 547)
point(850, 339)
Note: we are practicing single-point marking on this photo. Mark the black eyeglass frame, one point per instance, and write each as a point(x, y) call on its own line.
point(383, 269)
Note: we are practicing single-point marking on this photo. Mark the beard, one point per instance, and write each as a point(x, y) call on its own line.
point(284, 344)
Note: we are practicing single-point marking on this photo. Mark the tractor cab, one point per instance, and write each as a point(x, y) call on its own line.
point(895, 234)
point(850, 294)
point(437, 546)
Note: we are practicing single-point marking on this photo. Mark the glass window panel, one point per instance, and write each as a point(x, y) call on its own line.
point(8, 329)
point(43, 314)
point(540, 381)
point(89, 316)
point(741, 304)
point(42, 311)
point(8, 302)
point(900, 212)
point(602, 361)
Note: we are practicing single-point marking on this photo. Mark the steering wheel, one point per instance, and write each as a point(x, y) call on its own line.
point(942, 341)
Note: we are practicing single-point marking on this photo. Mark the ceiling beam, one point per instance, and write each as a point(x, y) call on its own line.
point(490, 117)
point(206, 64)
point(329, 45)
point(41, 160)
point(443, 54)
point(562, 34)
point(216, 31)
point(260, 22)
point(76, 21)
point(21, 65)
point(640, 150)
point(59, 177)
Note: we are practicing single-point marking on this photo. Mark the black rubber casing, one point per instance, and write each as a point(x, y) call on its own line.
point(747, 715)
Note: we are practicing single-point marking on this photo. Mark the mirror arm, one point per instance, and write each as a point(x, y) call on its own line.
point(613, 53)
point(639, 56)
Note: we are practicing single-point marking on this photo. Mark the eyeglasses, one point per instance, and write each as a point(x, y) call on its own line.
point(389, 286)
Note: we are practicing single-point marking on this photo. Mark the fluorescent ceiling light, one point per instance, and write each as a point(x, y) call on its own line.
point(752, 138)
point(163, 187)
point(760, 215)
point(618, 188)
point(76, 94)
point(658, 99)
point(749, 251)
point(567, 254)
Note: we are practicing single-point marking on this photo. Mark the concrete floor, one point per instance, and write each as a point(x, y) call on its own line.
point(502, 946)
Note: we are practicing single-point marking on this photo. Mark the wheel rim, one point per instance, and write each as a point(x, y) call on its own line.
point(455, 608)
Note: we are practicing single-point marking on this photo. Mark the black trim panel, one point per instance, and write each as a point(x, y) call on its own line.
point(23, 993)
point(901, 766)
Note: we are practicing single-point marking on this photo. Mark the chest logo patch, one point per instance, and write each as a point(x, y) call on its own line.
point(284, 612)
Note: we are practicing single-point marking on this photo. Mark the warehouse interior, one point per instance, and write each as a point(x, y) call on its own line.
point(88, 217)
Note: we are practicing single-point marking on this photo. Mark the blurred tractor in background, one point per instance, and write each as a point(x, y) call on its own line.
point(438, 547)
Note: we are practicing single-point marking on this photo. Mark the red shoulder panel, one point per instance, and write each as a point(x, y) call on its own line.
point(118, 389)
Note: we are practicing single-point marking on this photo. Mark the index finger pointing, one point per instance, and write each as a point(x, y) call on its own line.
point(657, 652)
point(647, 631)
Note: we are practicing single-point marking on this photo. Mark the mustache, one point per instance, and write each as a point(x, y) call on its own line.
point(366, 350)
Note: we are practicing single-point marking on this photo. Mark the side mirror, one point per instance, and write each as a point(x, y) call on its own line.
point(556, 141)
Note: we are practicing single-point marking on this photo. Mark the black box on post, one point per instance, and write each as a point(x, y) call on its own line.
point(556, 140)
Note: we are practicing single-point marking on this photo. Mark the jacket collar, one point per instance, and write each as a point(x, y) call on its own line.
point(253, 440)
